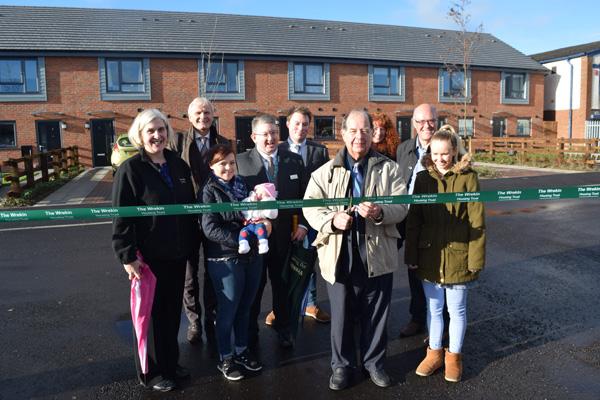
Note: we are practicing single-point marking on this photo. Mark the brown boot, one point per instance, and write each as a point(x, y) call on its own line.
point(432, 362)
point(454, 367)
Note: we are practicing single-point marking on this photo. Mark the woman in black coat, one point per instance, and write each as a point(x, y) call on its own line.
point(156, 176)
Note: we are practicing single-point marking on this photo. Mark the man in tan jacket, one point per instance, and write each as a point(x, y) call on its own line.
point(357, 248)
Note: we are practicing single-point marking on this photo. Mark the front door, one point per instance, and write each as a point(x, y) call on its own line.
point(103, 136)
point(243, 130)
point(48, 135)
point(404, 128)
point(499, 127)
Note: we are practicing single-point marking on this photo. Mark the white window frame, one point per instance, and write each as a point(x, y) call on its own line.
point(40, 95)
point(453, 99)
point(528, 124)
point(292, 95)
point(506, 100)
point(400, 97)
point(241, 81)
point(466, 130)
point(108, 96)
point(14, 125)
point(318, 137)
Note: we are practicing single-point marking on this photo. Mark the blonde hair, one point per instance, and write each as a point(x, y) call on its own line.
point(143, 119)
point(447, 133)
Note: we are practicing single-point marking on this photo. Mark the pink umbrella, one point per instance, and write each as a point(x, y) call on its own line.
point(142, 296)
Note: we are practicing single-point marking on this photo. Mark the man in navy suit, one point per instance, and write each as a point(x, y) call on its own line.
point(313, 155)
point(267, 163)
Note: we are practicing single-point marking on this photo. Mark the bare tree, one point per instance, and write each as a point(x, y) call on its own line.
point(463, 45)
point(212, 66)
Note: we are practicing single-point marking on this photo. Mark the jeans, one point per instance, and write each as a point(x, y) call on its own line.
point(236, 282)
point(456, 296)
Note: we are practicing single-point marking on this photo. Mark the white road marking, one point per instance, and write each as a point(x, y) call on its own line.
point(29, 228)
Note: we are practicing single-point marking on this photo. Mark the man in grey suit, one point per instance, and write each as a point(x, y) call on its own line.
point(266, 163)
point(313, 155)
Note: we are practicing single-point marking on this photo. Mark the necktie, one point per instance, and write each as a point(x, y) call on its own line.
point(295, 148)
point(271, 169)
point(203, 145)
point(357, 180)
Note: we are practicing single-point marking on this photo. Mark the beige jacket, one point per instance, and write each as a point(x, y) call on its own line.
point(331, 181)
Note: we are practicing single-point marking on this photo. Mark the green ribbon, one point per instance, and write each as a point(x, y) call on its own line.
point(570, 192)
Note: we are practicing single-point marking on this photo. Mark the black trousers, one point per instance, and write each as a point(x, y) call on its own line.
point(163, 349)
point(273, 267)
point(191, 293)
point(369, 300)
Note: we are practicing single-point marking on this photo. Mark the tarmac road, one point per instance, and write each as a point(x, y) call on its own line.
point(534, 327)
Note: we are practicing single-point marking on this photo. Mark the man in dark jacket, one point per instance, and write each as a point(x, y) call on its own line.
point(313, 155)
point(408, 157)
point(193, 147)
point(266, 163)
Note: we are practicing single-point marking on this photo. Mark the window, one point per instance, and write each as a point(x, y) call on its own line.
point(8, 135)
point(523, 127)
point(465, 127)
point(514, 88)
point(22, 79)
point(222, 79)
point(308, 81)
point(124, 79)
point(324, 128)
point(454, 85)
point(441, 122)
point(386, 83)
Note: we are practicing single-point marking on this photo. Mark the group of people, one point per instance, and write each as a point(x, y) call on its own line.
point(357, 244)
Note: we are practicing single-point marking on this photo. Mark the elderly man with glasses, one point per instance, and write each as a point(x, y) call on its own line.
point(357, 249)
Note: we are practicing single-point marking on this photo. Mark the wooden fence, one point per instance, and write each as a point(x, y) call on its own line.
point(583, 151)
point(51, 163)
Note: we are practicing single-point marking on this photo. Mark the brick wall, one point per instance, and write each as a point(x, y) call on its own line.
point(73, 89)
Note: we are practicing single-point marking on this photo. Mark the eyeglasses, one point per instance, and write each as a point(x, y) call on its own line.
point(422, 122)
point(272, 134)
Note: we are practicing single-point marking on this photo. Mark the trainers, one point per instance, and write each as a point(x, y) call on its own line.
point(263, 246)
point(316, 313)
point(248, 361)
point(230, 369)
point(270, 319)
point(244, 247)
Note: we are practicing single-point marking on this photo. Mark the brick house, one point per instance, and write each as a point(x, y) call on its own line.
point(72, 76)
point(572, 89)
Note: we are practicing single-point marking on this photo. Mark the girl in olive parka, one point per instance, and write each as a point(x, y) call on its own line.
point(445, 243)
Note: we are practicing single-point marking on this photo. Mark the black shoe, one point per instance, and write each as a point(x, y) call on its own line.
point(182, 373)
point(340, 379)
point(194, 334)
point(380, 378)
point(248, 361)
point(411, 329)
point(230, 369)
point(166, 385)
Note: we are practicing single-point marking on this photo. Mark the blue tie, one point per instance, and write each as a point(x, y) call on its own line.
point(357, 180)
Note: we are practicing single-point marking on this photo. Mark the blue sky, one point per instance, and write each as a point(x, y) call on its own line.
point(530, 26)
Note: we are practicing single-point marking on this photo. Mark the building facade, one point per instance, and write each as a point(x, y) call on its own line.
point(572, 89)
point(84, 85)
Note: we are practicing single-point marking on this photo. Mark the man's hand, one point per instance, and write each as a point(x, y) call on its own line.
point(369, 210)
point(133, 269)
point(299, 234)
point(342, 221)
